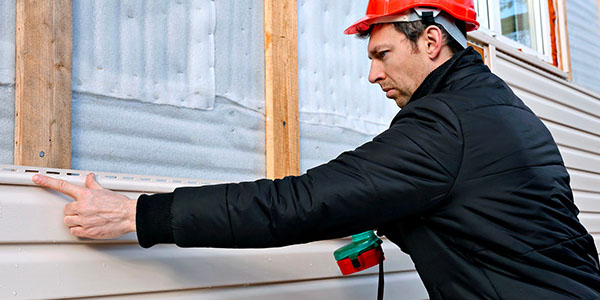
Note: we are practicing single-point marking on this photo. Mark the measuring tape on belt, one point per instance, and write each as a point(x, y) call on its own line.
point(364, 252)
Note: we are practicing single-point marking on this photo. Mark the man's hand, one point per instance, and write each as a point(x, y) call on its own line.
point(96, 213)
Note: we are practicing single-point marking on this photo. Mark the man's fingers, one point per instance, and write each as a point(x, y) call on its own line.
point(72, 221)
point(77, 231)
point(90, 182)
point(70, 209)
point(59, 185)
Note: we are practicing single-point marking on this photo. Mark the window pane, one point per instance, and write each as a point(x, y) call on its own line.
point(517, 21)
point(481, 7)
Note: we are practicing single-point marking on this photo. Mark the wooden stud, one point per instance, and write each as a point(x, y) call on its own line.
point(562, 38)
point(281, 88)
point(43, 83)
point(479, 49)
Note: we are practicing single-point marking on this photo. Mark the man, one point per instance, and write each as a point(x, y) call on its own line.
point(467, 180)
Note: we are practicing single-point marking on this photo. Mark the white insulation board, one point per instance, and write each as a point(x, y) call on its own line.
point(153, 51)
point(7, 41)
point(7, 79)
point(334, 68)
point(339, 108)
point(7, 123)
point(320, 143)
point(112, 135)
point(240, 52)
point(584, 40)
point(118, 124)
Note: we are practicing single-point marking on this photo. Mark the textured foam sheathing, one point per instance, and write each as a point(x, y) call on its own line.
point(153, 51)
point(222, 139)
point(339, 108)
point(7, 123)
point(334, 68)
point(7, 80)
point(584, 41)
point(7, 41)
point(320, 143)
point(240, 55)
point(135, 137)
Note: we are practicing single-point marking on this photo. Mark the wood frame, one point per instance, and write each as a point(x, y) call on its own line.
point(44, 39)
point(480, 49)
point(281, 88)
point(562, 38)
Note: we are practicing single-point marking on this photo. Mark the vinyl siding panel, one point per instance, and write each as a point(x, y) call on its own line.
point(406, 284)
point(60, 271)
point(40, 259)
point(587, 201)
point(584, 42)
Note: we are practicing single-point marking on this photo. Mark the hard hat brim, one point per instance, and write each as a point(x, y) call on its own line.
point(365, 22)
point(361, 25)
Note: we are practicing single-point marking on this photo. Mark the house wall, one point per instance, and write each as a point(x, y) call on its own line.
point(584, 42)
point(40, 259)
point(219, 134)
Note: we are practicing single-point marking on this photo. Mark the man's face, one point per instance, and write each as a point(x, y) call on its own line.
point(396, 65)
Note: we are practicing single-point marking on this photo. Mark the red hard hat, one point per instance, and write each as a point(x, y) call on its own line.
point(460, 9)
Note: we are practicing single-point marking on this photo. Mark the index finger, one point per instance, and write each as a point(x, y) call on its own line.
point(59, 185)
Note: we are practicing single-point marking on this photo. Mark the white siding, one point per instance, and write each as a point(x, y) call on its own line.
point(39, 259)
point(406, 284)
point(584, 41)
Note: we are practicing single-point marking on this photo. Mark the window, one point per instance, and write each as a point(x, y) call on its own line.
point(516, 21)
point(523, 24)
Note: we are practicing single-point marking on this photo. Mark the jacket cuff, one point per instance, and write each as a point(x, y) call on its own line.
point(153, 219)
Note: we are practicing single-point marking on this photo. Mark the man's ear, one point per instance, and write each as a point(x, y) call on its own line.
point(434, 41)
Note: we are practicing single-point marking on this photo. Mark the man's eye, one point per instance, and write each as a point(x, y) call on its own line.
point(383, 53)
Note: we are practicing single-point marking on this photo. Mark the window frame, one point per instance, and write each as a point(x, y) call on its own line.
point(490, 21)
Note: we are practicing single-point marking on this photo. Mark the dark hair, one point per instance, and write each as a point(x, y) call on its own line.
point(413, 30)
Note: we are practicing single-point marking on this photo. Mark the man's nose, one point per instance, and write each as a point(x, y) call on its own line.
point(376, 73)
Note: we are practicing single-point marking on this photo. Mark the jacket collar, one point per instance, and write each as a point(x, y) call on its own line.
point(453, 69)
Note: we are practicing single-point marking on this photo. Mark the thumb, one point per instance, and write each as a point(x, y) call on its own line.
point(90, 182)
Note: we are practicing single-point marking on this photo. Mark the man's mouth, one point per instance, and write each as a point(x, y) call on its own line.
point(388, 92)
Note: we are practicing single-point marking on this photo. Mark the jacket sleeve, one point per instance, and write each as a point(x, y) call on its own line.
point(405, 171)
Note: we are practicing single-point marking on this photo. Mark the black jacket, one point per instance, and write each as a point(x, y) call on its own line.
point(467, 181)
